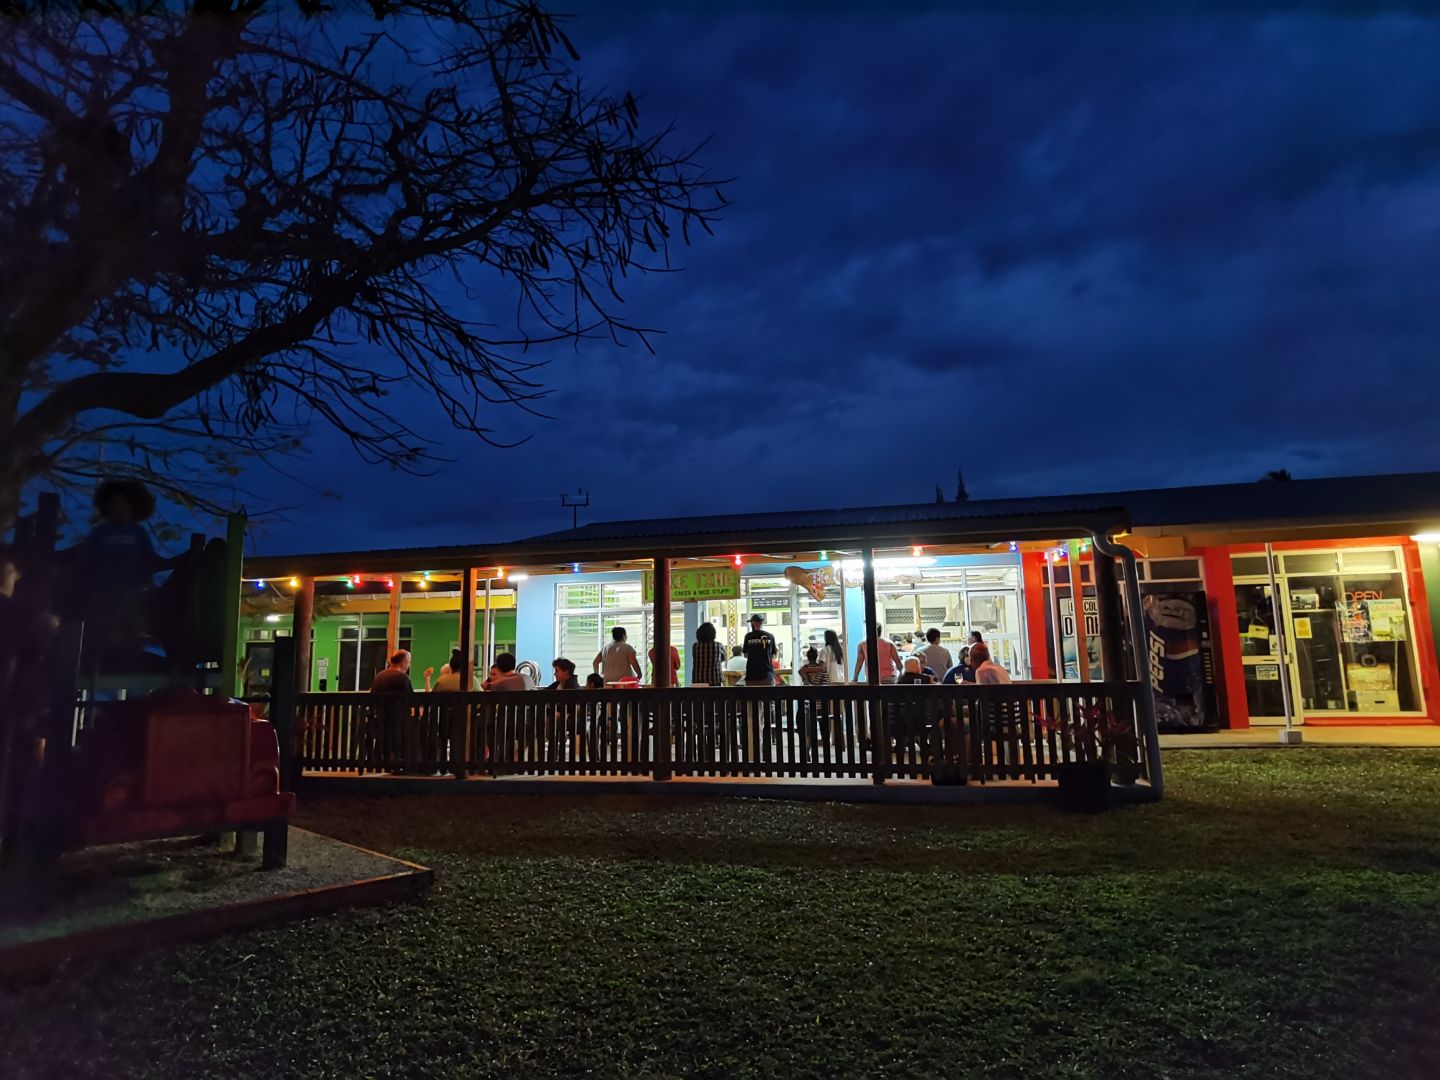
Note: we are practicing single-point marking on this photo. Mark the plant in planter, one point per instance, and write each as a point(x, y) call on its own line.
point(1103, 742)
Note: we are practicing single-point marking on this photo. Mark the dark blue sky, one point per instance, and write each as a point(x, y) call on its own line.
point(1067, 253)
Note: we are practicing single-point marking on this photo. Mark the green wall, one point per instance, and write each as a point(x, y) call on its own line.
point(432, 635)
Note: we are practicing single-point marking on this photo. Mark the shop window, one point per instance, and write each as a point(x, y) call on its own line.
point(1172, 569)
point(1346, 617)
point(1321, 563)
point(1249, 565)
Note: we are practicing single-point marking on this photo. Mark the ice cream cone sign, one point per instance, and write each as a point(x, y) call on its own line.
point(812, 581)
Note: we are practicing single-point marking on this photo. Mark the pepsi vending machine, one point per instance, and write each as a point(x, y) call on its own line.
point(1182, 664)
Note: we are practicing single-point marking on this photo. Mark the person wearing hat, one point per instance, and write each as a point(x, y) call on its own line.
point(760, 651)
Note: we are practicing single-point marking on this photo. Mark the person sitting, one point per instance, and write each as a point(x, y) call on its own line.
point(449, 680)
point(564, 672)
point(594, 681)
point(915, 672)
point(736, 664)
point(395, 679)
point(934, 655)
point(987, 672)
point(503, 675)
point(962, 672)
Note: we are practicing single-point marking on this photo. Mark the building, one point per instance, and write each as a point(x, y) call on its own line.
point(1306, 598)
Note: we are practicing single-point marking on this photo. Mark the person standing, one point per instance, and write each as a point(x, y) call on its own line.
point(617, 660)
point(888, 664)
point(674, 665)
point(832, 655)
point(394, 687)
point(760, 652)
point(707, 657)
point(935, 656)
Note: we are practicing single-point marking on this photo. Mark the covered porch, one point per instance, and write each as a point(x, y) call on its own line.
point(1032, 732)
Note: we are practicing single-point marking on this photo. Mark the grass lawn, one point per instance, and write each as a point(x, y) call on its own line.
point(1278, 915)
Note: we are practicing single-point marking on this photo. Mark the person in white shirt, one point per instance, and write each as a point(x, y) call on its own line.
point(737, 659)
point(833, 656)
point(987, 672)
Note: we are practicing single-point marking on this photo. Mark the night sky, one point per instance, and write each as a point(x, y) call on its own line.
point(1066, 253)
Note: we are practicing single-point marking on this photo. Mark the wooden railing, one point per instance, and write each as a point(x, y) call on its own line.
point(1021, 731)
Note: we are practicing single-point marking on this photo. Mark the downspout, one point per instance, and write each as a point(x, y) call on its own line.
point(1105, 546)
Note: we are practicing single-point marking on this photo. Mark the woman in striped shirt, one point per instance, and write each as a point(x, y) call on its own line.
point(709, 658)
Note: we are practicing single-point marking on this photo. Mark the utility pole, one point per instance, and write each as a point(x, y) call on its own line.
point(574, 503)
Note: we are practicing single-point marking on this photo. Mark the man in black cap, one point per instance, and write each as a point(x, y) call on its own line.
point(760, 650)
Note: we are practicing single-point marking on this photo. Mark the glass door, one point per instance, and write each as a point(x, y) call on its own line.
point(997, 616)
point(1260, 652)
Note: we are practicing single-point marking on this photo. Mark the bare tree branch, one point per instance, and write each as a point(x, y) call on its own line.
point(222, 224)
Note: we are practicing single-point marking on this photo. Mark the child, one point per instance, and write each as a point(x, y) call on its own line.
point(813, 672)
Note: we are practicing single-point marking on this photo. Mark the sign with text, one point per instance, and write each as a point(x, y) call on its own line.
point(719, 583)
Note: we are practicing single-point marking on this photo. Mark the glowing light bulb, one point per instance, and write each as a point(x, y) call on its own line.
point(294, 582)
point(1014, 546)
point(915, 551)
point(739, 560)
point(575, 568)
point(260, 583)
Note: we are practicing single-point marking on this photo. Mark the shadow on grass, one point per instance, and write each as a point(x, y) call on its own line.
point(1259, 810)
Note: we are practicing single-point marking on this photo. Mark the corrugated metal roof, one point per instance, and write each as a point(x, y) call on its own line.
point(988, 510)
point(1399, 499)
point(1402, 495)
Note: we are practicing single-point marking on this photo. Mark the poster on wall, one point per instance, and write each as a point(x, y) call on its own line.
point(1177, 628)
point(1092, 636)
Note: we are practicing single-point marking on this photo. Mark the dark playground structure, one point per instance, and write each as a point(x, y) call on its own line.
point(114, 723)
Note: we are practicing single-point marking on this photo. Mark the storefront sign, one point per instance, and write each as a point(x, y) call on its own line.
point(720, 583)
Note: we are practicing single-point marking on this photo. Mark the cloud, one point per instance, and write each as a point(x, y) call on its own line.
point(1066, 251)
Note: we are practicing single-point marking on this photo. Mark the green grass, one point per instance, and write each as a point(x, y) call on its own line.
point(1278, 915)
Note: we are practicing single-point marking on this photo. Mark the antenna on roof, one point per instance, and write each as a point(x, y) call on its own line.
point(574, 503)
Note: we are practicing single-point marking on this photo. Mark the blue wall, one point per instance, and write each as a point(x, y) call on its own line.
point(535, 607)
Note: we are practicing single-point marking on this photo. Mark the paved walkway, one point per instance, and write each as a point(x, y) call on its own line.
point(1358, 735)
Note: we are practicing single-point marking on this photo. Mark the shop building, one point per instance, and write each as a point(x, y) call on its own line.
point(1306, 600)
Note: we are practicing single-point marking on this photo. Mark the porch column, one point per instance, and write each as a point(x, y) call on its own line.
point(1112, 633)
point(1140, 650)
point(1077, 590)
point(392, 627)
point(301, 627)
point(872, 636)
point(660, 666)
point(467, 629)
point(879, 744)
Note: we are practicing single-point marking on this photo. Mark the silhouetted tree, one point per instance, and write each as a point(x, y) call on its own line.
point(1277, 474)
point(223, 221)
point(939, 495)
point(961, 495)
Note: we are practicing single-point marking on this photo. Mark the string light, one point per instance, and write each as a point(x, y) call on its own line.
point(294, 582)
point(389, 583)
point(739, 560)
point(351, 582)
point(824, 556)
point(1014, 546)
point(260, 583)
point(915, 551)
point(575, 568)
point(500, 572)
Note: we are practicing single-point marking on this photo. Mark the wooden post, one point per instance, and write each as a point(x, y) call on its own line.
point(1107, 602)
point(282, 703)
point(234, 568)
point(1077, 590)
point(467, 629)
point(392, 628)
point(301, 627)
point(660, 666)
point(460, 718)
point(879, 742)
